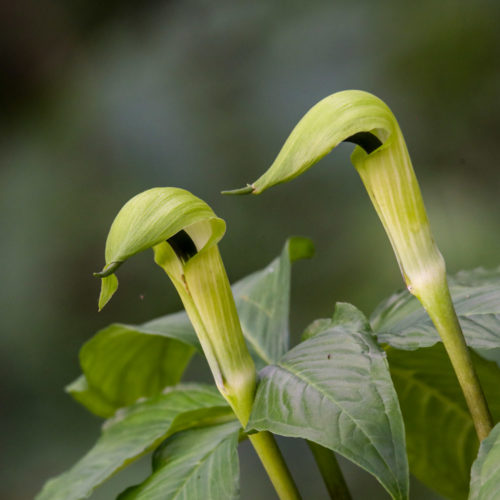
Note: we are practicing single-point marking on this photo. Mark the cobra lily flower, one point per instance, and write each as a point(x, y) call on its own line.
point(382, 160)
point(183, 231)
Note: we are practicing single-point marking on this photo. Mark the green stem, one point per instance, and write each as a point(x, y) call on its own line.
point(330, 472)
point(276, 468)
point(438, 304)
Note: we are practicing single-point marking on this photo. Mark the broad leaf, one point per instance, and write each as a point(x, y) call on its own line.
point(485, 473)
point(132, 432)
point(440, 436)
point(263, 303)
point(198, 464)
point(122, 363)
point(402, 323)
point(335, 389)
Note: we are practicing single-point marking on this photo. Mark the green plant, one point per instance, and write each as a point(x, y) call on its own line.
point(378, 391)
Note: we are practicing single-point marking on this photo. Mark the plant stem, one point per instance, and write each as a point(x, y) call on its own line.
point(330, 472)
point(275, 466)
point(438, 304)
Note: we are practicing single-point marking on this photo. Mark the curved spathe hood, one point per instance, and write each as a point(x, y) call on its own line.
point(150, 218)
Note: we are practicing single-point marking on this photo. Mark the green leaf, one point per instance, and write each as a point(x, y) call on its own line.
point(345, 315)
point(402, 323)
point(131, 433)
point(150, 218)
point(122, 363)
point(198, 464)
point(485, 473)
point(202, 417)
point(317, 326)
point(335, 389)
point(175, 326)
point(263, 303)
point(351, 317)
point(441, 454)
point(440, 436)
point(90, 398)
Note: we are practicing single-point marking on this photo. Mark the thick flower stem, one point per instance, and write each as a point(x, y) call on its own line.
point(438, 304)
point(330, 472)
point(276, 468)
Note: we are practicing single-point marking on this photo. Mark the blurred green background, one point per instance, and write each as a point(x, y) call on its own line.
point(102, 100)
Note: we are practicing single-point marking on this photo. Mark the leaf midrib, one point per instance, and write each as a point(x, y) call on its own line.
point(314, 384)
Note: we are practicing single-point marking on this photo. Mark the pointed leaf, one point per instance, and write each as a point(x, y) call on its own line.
point(198, 464)
point(122, 363)
point(485, 473)
point(345, 315)
point(440, 436)
point(132, 432)
point(401, 322)
point(263, 303)
point(335, 389)
point(351, 317)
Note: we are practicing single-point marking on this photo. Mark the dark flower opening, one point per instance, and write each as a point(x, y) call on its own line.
point(183, 245)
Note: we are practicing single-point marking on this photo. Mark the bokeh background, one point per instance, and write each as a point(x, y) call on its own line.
point(102, 100)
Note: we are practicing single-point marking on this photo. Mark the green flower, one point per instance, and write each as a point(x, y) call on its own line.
point(383, 162)
point(381, 159)
point(183, 232)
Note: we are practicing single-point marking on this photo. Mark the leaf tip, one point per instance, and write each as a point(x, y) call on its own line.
point(319, 325)
point(349, 316)
point(300, 247)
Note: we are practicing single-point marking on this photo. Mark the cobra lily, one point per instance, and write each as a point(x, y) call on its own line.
point(382, 160)
point(183, 232)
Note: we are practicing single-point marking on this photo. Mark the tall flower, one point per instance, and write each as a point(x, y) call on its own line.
point(382, 160)
point(183, 232)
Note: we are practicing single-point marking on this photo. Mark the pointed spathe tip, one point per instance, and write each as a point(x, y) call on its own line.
point(248, 189)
